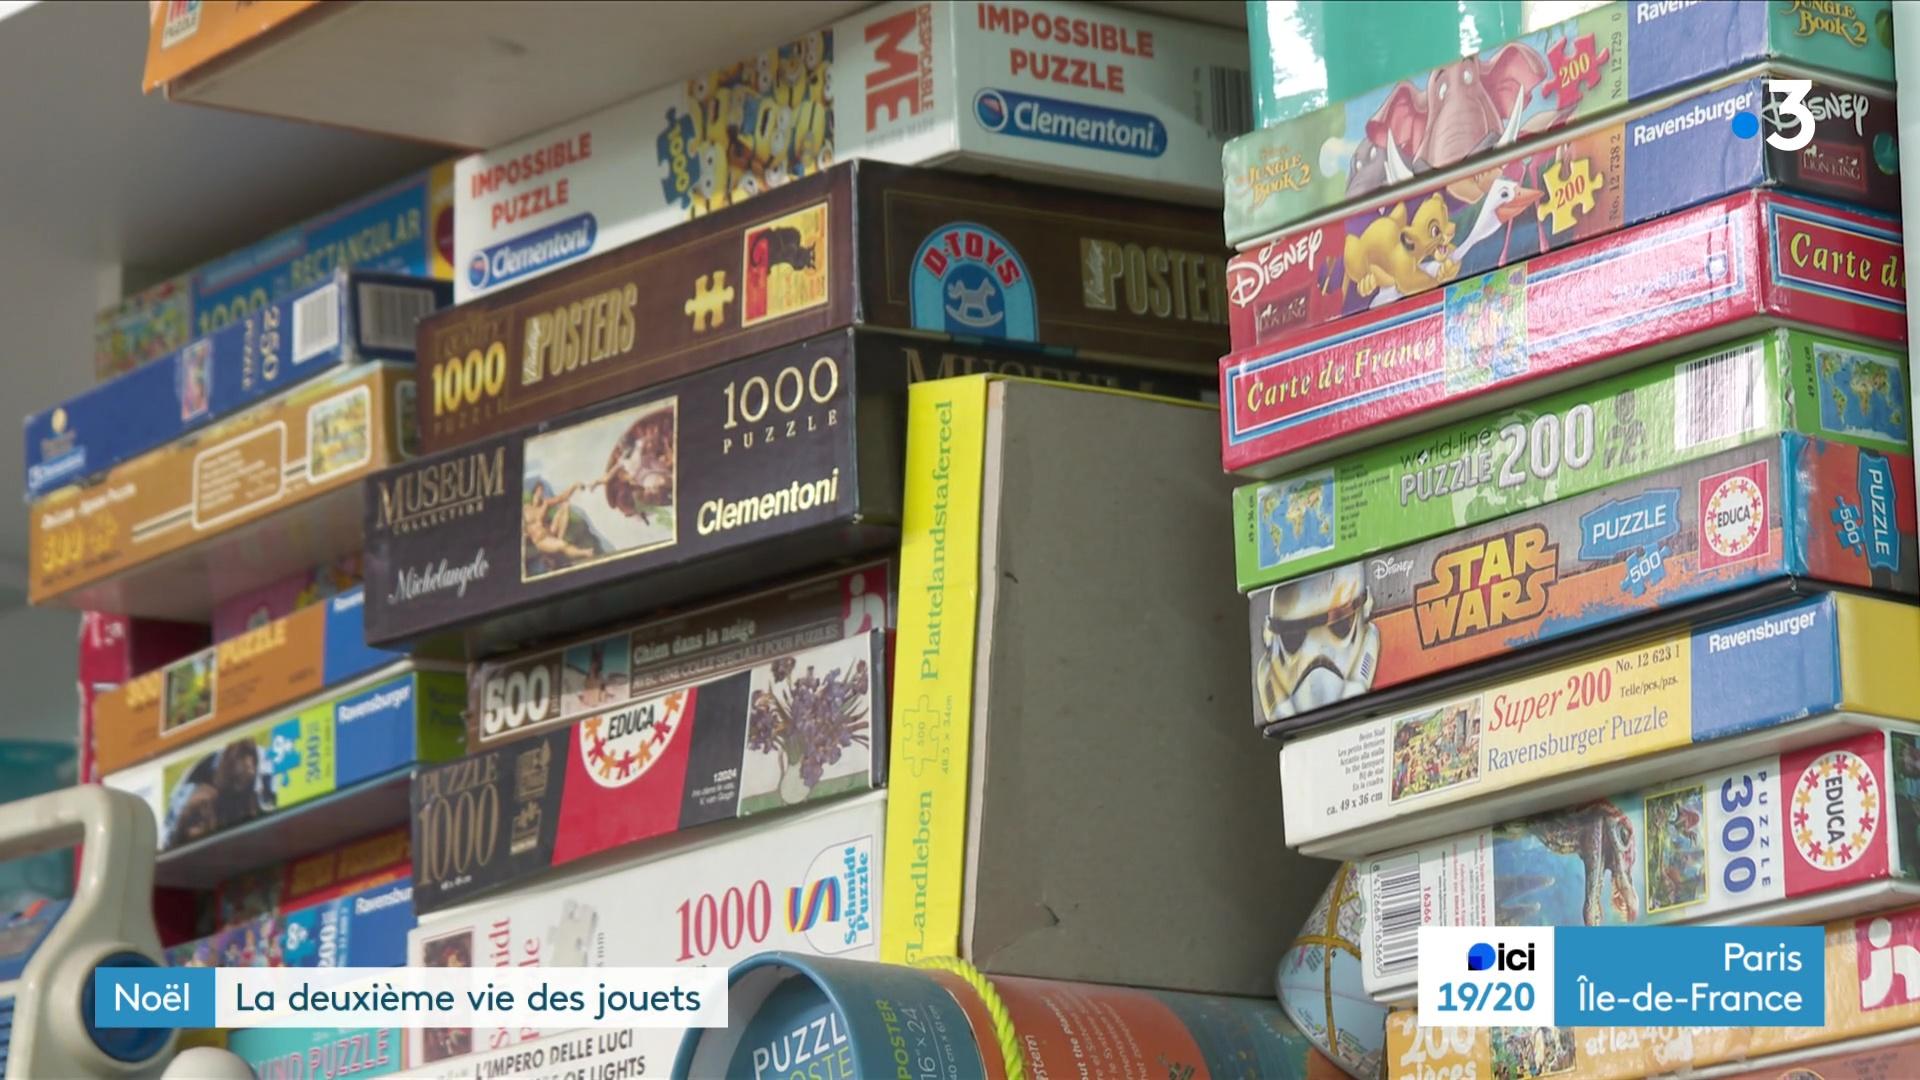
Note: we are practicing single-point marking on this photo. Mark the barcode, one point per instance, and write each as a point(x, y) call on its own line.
point(1393, 914)
point(389, 314)
point(1713, 397)
point(1229, 103)
point(316, 323)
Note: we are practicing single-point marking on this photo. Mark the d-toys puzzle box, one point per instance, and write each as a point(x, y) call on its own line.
point(1576, 441)
point(1798, 838)
point(1094, 97)
point(1771, 513)
point(1751, 261)
point(1535, 199)
point(1619, 55)
point(1713, 694)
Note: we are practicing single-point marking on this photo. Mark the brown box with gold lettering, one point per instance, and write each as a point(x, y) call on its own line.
point(1121, 285)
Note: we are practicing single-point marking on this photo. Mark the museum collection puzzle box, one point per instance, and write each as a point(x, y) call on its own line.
point(1532, 200)
point(806, 882)
point(1797, 838)
point(1709, 274)
point(1776, 512)
point(266, 493)
point(1089, 95)
point(513, 696)
point(914, 250)
point(1448, 118)
point(1579, 440)
point(739, 473)
point(1727, 691)
point(790, 729)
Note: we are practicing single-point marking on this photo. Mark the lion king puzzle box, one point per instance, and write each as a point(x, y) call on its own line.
point(1745, 263)
point(789, 730)
point(1573, 442)
point(1621, 54)
point(1774, 513)
point(807, 882)
point(1703, 696)
point(1798, 837)
point(949, 257)
point(687, 490)
point(1590, 182)
point(232, 507)
point(1090, 96)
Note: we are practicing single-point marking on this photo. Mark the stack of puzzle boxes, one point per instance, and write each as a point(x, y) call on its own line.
point(1571, 388)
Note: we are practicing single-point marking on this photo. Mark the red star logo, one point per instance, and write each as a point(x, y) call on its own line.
point(599, 748)
point(1846, 851)
point(626, 764)
point(1815, 849)
point(1800, 819)
point(1865, 782)
point(660, 732)
point(1867, 823)
point(1810, 780)
point(1574, 54)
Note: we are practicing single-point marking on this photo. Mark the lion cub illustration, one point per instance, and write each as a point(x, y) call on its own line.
point(1407, 257)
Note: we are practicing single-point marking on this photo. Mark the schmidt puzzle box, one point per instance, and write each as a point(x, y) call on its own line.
point(1620, 54)
point(1576, 441)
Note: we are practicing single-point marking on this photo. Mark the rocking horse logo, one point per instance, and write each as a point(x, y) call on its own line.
point(969, 281)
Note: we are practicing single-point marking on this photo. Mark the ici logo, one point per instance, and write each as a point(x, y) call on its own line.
point(1485, 957)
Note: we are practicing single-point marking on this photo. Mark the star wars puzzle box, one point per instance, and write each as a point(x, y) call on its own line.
point(1091, 96)
point(1535, 199)
point(1798, 838)
point(807, 882)
point(1579, 440)
point(1451, 116)
point(232, 507)
point(789, 730)
point(1746, 263)
point(908, 249)
point(735, 474)
point(1771, 514)
point(1709, 695)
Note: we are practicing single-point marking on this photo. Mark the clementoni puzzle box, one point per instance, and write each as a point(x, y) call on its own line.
point(1536, 199)
point(1775, 513)
point(1708, 695)
point(1065, 275)
point(1524, 90)
point(1798, 837)
point(1705, 275)
point(1573, 442)
point(1096, 97)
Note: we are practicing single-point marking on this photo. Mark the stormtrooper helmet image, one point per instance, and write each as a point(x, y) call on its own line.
point(1320, 646)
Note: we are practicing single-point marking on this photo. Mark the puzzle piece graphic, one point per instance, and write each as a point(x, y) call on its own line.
point(708, 308)
point(1574, 55)
point(1570, 193)
point(1846, 525)
point(1646, 570)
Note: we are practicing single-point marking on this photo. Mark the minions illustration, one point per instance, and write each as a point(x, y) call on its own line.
point(750, 127)
point(1320, 645)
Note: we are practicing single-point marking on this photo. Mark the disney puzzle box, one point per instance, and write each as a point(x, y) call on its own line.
point(808, 881)
point(1091, 96)
point(1524, 90)
point(1570, 443)
point(343, 320)
point(952, 257)
point(1536, 199)
point(1796, 837)
point(1776, 513)
point(791, 729)
point(1710, 694)
point(1742, 264)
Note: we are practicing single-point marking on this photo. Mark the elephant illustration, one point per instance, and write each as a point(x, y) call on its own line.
point(1466, 108)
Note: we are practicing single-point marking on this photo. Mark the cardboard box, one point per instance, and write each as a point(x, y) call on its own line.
point(366, 927)
point(864, 243)
point(290, 1053)
point(1577, 441)
point(1776, 513)
point(516, 696)
point(1746, 263)
point(278, 599)
point(1090, 97)
point(113, 649)
point(807, 882)
point(183, 37)
point(1875, 1059)
point(1462, 110)
point(1059, 647)
point(1705, 696)
point(371, 860)
point(794, 729)
point(228, 509)
point(273, 766)
point(691, 489)
point(1799, 837)
point(405, 228)
point(1534, 199)
point(1866, 996)
point(342, 321)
